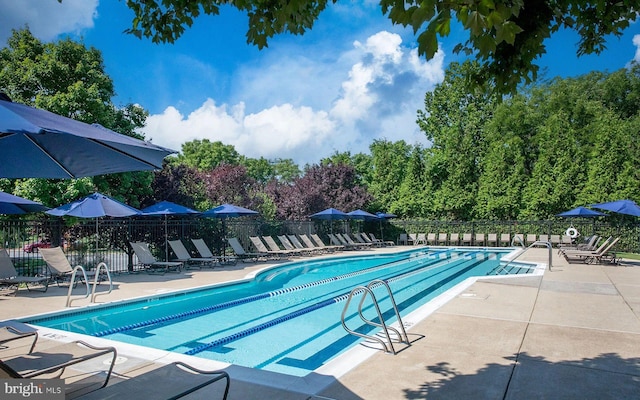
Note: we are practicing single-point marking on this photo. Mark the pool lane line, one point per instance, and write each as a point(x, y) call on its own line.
point(253, 298)
point(300, 312)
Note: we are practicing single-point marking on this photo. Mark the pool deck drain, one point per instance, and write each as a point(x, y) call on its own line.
point(572, 333)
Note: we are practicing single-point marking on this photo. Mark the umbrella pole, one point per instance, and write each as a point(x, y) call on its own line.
point(97, 238)
point(166, 239)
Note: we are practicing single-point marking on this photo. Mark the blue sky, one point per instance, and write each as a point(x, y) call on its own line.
point(350, 80)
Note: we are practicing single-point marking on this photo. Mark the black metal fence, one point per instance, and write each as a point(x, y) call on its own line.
point(88, 242)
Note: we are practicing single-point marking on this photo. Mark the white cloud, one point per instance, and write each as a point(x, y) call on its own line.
point(636, 42)
point(306, 109)
point(46, 19)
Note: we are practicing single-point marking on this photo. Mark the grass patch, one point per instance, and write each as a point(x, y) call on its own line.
point(629, 256)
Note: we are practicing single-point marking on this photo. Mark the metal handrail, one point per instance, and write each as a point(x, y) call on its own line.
point(536, 243)
point(367, 290)
point(403, 338)
point(72, 282)
point(96, 279)
point(519, 240)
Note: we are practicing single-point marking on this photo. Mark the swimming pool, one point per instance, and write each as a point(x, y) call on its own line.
point(285, 320)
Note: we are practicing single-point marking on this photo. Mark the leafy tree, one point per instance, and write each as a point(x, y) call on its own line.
point(504, 169)
point(360, 161)
point(388, 163)
point(68, 79)
point(264, 170)
point(453, 120)
point(179, 184)
point(206, 155)
point(322, 186)
point(231, 184)
point(506, 36)
point(413, 196)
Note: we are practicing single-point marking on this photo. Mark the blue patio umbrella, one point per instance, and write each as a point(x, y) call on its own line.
point(36, 143)
point(10, 204)
point(628, 207)
point(225, 211)
point(165, 208)
point(362, 215)
point(228, 211)
point(168, 208)
point(330, 214)
point(581, 212)
point(95, 205)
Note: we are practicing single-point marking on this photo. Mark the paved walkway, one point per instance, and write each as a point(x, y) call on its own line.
point(572, 333)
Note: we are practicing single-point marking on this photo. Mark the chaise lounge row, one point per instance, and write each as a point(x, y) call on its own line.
point(480, 239)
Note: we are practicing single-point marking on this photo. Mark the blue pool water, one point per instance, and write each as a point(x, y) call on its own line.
point(285, 320)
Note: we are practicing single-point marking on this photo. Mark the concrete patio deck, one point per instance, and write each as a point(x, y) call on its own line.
point(572, 333)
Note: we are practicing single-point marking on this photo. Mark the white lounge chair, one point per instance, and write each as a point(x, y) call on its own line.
point(244, 255)
point(171, 381)
point(261, 248)
point(59, 266)
point(149, 263)
point(182, 255)
point(9, 276)
point(55, 359)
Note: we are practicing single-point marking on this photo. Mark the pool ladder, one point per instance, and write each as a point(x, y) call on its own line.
point(390, 333)
point(86, 281)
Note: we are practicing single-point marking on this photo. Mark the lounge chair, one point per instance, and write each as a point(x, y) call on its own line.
point(505, 239)
point(555, 240)
point(479, 239)
point(543, 238)
point(148, 262)
point(591, 257)
point(54, 360)
point(413, 239)
point(291, 247)
point(357, 239)
point(383, 242)
point(9, 334)
point(403, 239)
point(244, 255)
point(467, 239)
point(310, 244)
point(492, 238)
point(9, 276)
point(431, 238)
point(261, 248)
point(298, 245)
point(364, 237)
point(346, 239)
point(60, 268)
point(421, 238)
point(321, 244)
point(273, 246)
point(442, 239)
point(454, 239)
point(205, 252)
point(590, 244)
point(182, 255)
point(338, 239)
point(171, 381)
point(531, 238)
